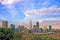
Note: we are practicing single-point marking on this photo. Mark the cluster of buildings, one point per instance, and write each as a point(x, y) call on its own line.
point(33, 28)
point(12, 26)
point(36, 28)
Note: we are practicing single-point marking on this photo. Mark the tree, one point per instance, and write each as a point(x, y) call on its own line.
point(36, 38)
point(17, 36)
point(6, 34)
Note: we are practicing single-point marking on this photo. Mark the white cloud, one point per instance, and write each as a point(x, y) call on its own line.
point(51, 11)
point(6, 2)
point(46, 2)
point(13, 11)
point(50, 19)
point(3, 18)
point(9, 4)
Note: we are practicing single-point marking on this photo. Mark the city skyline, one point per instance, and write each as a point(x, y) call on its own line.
point(21, 11)
point(55, 25)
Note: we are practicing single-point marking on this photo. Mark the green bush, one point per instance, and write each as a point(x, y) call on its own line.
point(17, 36)
point(6, 34)
point(36, 38)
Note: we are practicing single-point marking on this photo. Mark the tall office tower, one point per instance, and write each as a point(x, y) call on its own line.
point(12, 27)
point(30, 24)
point(45, 28)
point(37, 24)
point(50, 27)
point(5, 24)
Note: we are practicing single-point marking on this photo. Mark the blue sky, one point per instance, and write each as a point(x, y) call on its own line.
point(45, 11)
point(20, 10)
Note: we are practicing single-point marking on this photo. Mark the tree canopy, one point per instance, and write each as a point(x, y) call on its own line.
point(6, 34)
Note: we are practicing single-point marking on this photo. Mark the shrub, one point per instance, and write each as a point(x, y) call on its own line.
point(6, 34)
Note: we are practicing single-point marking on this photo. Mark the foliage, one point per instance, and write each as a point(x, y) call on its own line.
point(17, 36)
point(6, 34)
point(37, 37)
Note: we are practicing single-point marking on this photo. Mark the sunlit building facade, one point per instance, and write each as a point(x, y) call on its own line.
point(4, 24)
point(30, 24)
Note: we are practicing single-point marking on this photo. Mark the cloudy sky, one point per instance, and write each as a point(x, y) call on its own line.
point(21, 10)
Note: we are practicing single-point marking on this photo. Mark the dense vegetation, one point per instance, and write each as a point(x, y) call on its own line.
point(8, 34)
point(37, 37)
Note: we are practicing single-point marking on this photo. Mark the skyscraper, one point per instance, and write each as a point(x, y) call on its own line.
point(50, 27)
point(34, 27)
point(37, 24)
point(5, 24)
point(45, 27)
point(30, 24)
point(21, 28)
point(12, 27)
